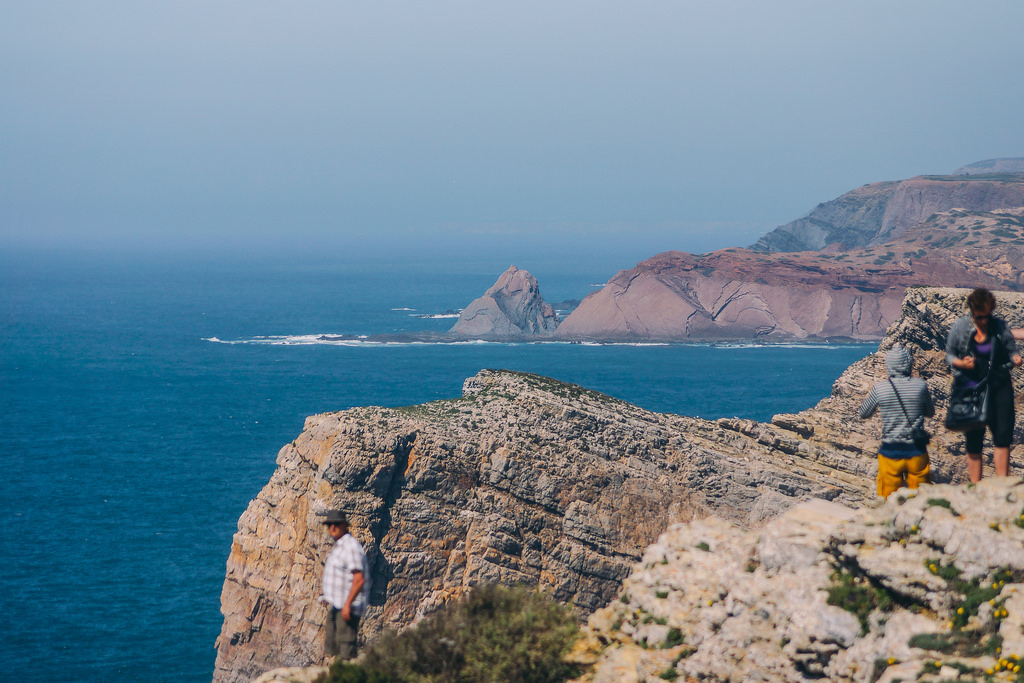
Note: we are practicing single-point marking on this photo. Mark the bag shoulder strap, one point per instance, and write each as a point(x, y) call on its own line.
point(902, 407)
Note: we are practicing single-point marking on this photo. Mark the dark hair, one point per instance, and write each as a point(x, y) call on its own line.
point(981, 299)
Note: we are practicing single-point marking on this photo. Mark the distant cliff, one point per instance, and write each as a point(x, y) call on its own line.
point(840, 293)
point(1009, 165)
point(511, 308)
point(879, 212)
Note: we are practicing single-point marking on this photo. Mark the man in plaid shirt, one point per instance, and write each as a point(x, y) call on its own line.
point(346, 588)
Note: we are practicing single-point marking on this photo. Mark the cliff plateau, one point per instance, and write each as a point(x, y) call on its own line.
point(526, 479)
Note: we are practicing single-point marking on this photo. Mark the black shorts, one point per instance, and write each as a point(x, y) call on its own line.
point(1001, 418)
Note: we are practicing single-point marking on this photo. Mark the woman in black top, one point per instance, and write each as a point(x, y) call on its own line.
point(977, 342)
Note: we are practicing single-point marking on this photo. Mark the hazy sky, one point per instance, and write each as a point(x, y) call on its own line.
point(562, 125)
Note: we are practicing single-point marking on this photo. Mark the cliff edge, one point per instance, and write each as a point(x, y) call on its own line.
point(526, 479)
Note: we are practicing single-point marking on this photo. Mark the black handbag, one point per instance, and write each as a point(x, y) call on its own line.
point(968, 406)
point(918, 433)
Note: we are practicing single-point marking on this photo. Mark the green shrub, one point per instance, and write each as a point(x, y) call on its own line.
point(495, 634)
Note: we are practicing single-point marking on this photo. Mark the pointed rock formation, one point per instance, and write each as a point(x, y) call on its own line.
point(512, 308)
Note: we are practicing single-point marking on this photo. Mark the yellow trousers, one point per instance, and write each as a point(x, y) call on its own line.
point(894, 474)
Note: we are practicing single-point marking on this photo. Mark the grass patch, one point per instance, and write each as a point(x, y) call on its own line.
point(942, 503)
point(672, 638)
point(959, 643)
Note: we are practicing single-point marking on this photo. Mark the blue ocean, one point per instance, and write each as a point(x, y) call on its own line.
point(144, 397)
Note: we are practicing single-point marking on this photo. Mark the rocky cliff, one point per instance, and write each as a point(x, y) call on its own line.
point(850, 293)
point(511, 308)
point(527, 479)
point(928, 587)
point(877, 213)
point(521, 479)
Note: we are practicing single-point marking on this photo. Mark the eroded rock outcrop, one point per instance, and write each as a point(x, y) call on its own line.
point(528, 479)
point(927, 587)
point(511, 308)
point(522, 479)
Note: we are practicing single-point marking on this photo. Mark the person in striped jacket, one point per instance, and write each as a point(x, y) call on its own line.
point(904, 403)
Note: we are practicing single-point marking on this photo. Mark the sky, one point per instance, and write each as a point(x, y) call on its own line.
point(586, 128)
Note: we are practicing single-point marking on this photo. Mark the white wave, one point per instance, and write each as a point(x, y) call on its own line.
point(404, 308)
point(364, 340)
point(435, 316)
point(822, 345)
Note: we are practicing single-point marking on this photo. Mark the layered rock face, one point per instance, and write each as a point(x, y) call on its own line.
point(522, 479)
point(877, 213)
point(526, 479)
point(511, 308)
point(854, 293)
point(677, 296)
point(826, 593)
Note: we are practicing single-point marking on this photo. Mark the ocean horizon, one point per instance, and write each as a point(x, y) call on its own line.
point(145, 398)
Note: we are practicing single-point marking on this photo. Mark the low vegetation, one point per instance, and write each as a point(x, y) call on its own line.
point(496, 634)
point(856, 594)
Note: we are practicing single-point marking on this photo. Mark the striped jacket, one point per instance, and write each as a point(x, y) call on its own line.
point(913, 391)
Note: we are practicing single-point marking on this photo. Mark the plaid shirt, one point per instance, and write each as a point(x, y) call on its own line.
point(346, 556)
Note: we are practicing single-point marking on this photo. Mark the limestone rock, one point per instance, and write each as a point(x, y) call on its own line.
point(511, 308)
point(523, 479)
point(526, 479)
point(710, 601)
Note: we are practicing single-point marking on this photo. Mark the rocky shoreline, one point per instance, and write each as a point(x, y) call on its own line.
point(526, 479)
